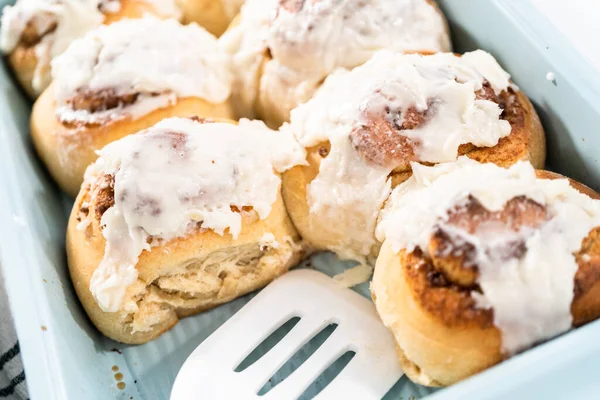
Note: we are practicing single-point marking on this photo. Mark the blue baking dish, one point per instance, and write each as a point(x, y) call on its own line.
point(66, 358)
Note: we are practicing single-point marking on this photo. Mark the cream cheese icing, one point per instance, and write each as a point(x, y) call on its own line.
point(530, 293)
point(58, 22)
point(310, 39)
point(176, 175)
point(349, 191)
point(156, 60)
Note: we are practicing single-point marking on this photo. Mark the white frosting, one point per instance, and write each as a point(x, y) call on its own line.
point(309, 44)
point(73, 18)
point(349, 191)
point(175, 175)
point(530, 294)
point(268, 240)
point(161, 60)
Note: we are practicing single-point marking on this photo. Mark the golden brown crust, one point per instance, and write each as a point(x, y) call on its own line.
point(433, 352)
point(180, 277)
point(413, 371)
point(526, 140)
point(67, 149)
point(23, 62)
point(439, 298)
point(23, 59)
point(586, 307)
point(294, 190)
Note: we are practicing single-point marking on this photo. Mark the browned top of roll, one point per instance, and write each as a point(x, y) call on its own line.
point(380, 140)
point(442, 284)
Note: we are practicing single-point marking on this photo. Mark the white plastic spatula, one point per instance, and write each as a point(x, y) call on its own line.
point(209, 372)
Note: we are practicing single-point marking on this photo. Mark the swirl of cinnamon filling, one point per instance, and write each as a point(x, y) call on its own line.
point(379, 138)
point(132, 67)
point(456, 258)
point(396, 109)
point(483, 245)
point(443, 281)
point(32, 35)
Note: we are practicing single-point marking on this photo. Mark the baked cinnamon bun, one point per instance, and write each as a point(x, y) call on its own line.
point(214, 15)
point(119, 79)
point(284, 49)
point(481, 262)
point(33, 32)
point(364, 127)
point(177, 219)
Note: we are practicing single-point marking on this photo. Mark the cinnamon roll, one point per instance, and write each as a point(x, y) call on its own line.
point(481, 262)
point(177, 219)
point(364, 127)
point(33, 32)
point(119, 79)
point(284, 49)
point(214, 15)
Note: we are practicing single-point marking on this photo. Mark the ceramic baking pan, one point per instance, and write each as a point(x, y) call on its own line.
point(66, 358)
